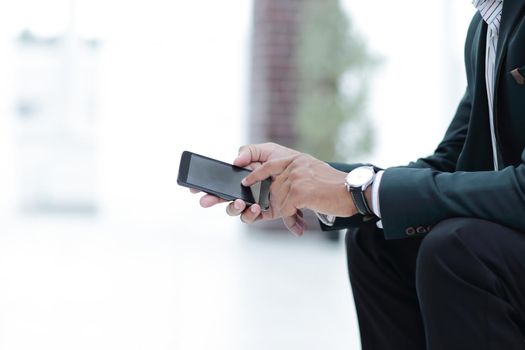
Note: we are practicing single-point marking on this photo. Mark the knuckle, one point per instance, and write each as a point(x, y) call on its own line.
point(265, 168)
point(295, 189)
point(287, 211)
point(251, 149)
point(295, 175)
point(302, 160)
point(295, 158)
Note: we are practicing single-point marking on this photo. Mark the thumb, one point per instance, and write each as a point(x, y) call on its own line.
point(244, 158)
point(249, 154)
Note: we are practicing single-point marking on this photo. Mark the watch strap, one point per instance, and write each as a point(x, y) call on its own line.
point(361, 205)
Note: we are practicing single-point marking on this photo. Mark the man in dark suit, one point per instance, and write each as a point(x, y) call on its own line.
point(457, 280)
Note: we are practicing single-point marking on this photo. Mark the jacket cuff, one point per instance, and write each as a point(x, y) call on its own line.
point(408, 206)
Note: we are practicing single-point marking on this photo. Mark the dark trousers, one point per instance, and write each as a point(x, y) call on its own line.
point(462, 286)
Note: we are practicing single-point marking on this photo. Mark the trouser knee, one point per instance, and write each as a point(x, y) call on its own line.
point(445, 254)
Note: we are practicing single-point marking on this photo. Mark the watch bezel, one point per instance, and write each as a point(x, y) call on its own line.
point(360, 177)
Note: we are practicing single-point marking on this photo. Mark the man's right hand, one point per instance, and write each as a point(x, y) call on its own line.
point(251, 157)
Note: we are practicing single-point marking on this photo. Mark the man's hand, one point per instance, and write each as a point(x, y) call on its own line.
point(301, 181)
point(252, 157)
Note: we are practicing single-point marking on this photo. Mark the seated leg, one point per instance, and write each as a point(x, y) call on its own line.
point(470, 280)
point(382, 275)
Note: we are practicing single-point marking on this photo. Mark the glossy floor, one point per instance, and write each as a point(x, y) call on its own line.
point(77, 284)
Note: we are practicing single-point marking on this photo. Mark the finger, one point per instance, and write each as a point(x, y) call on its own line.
point(289, 221)
point(268, 214)
point(254, 165)
point(247, 155)
point(302, 222)
point(292, 202)
point(209, 200)
point(236, 207)
point(294, 224)
point(278, 190)
point(270, 168)
point(194, 190)
point(254, 153)
point(301, 225)
point(251, 214)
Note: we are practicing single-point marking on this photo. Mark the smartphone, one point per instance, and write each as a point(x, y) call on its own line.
point(221, 179)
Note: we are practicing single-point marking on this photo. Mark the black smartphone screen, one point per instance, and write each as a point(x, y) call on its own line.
point(221, 179)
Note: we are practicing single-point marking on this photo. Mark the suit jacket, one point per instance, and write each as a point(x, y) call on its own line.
point(459, 180)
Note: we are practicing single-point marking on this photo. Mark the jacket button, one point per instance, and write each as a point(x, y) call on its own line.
point(421, 229)
point(410, 231)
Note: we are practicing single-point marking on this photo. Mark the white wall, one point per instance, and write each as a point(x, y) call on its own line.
point(7, 159)
point(172, 76)
point(416, 90)
point(173, 79)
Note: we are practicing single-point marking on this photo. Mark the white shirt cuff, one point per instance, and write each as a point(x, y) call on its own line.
point(328, 220)
point(375, 197)
point(375, 194)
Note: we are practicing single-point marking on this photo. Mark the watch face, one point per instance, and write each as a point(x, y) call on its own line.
point(360, 176)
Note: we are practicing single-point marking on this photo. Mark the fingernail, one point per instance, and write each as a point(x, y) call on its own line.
point(237, 205)
point(253, 209)
point(244, 181)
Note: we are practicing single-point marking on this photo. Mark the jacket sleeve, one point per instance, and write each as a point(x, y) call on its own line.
point(444, 159)
point(413, 200)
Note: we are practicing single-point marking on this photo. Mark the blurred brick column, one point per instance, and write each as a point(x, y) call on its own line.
point(273, 79)
point(274, 84)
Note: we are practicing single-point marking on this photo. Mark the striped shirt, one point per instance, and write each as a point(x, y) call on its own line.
point(491, 10)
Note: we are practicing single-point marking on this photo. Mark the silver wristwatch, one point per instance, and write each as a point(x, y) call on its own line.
point(357, 181)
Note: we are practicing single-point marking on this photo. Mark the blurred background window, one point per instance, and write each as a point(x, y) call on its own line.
point(55, 106)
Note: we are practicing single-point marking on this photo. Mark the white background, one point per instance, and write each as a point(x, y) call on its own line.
point(152, 270)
